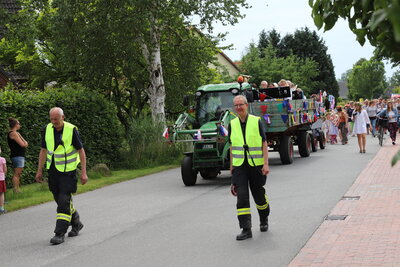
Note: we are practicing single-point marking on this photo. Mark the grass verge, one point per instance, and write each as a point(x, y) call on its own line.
point(35, 194)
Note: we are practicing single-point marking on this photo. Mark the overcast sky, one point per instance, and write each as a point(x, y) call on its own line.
point(286, 16)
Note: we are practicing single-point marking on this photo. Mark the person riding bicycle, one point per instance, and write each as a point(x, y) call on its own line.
point(391, 114)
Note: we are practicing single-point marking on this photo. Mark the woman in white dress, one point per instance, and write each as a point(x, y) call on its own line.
point(361, 119)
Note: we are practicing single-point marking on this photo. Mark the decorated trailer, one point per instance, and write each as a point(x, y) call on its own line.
point(285, 122)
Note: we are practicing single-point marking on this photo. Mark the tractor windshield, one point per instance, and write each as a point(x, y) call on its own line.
point(211, 105)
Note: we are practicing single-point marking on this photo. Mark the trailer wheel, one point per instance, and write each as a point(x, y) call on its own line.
point(209, 174)
point(189, 176)
point(286, 150)
point(314, 143)
point(322, 140)
point(304, 143)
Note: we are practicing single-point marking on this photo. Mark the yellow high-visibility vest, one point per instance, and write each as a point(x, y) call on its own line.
point(253, 139)
point(66, 157)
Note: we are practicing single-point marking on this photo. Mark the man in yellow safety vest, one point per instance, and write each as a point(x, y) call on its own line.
point(62, 150)
point(249, 166)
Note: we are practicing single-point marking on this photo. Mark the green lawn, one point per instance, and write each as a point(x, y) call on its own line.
point(35, 194)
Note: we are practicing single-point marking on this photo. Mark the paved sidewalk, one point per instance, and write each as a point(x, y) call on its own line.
point(370, 234)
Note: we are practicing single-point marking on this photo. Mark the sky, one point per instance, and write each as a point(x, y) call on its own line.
point(286, 16)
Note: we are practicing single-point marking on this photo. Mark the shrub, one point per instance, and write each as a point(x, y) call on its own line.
point(147, 147)
point(94, 116)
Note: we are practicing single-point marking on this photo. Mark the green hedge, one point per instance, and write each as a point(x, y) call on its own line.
point(94, 116)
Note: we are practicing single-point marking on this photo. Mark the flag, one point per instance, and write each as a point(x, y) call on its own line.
point(223, 130)
point(263, 109)
point(262, 97)
point(166, 133)
point(284, 118)
point(199, 137)
point(267, 119)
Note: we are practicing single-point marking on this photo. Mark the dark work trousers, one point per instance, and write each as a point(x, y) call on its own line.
point(244, 177)
point(62, 185)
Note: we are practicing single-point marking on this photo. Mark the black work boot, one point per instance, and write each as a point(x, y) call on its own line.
point(76, 225)
point(246, 233)
point(264, 225)
point(57, 239)
point(75, 229)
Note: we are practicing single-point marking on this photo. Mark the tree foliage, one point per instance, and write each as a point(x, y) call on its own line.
point(119, 47)
point(304, 44)
point(273, 68)
point(377, 21)
point(394, 81)
point(367, 79)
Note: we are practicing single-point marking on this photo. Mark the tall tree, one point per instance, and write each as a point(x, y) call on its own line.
point(117, 46)
point(270, 38)
point(377, 21)
point(304, 44)
point(395, 79)
point(307, 44)
point(273, 68)
point(367, 79)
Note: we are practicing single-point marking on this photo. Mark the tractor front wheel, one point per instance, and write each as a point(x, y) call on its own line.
point(189, 175)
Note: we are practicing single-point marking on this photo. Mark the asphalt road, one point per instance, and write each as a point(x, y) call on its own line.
point(157, 221)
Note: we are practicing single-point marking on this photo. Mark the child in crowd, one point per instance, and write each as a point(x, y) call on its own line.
point(3, 171)
point(333, 130)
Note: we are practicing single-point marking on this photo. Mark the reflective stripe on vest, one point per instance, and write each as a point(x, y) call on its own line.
point(253, 139)
point(66, 157)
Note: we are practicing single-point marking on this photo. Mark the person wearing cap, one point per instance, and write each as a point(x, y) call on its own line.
point(249, 166)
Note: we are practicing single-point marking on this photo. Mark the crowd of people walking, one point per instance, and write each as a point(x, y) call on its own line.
point(361, 119)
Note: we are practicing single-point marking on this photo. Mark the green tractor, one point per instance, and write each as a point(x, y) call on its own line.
point(286, 123)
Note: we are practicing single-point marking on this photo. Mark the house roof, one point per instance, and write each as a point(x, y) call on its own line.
point(10, 5)
point(9, 76)
point(229, 60)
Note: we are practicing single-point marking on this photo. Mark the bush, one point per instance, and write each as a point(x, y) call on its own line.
point(100, 170)
point(94, 116)
point(147, 147)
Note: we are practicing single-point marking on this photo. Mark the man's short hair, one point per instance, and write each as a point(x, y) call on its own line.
point(240, 97)
point(59, 111)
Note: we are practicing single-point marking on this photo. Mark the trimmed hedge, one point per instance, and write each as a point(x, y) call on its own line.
point(94, 116)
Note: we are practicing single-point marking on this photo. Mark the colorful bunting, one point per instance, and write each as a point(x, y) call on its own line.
point(263, 109)
point(267, 119)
